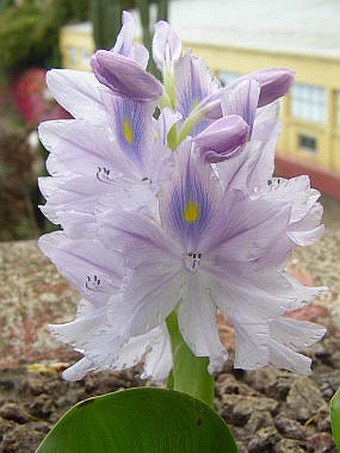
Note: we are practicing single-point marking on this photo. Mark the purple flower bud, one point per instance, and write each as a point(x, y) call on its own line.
point(223, 138)
point(125, 77)
point(167, 47)
point(274, 83)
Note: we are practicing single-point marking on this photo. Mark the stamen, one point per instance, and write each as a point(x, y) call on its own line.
point(193, 260)
point(92, 282)
point(104, 175)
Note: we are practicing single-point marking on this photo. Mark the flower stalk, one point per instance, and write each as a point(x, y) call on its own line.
point(189, 373)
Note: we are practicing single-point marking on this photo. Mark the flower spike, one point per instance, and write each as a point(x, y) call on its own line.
point(177, 215)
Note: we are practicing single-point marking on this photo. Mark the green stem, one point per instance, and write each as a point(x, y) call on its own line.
point(189, 373)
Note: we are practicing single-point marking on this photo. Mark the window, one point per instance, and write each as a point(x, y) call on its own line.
point(307, 143)
point(72, 54)
point(308, 102)
point(85, 57)
point(338, 108)
point(227, 77)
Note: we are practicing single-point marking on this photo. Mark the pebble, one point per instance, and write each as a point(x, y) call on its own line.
point(237, 409)
point(304, 399)
point(264, 440)
point(12, 411)
point(321, 443)
point(24, 438)
point(290, 428)
point(271, 382)
point(288, 446)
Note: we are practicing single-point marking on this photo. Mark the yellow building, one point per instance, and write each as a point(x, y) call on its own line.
point(237, 39)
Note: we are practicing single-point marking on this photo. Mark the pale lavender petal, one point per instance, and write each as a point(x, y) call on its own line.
point(304, 225)
point(78, 225)
point(73, 141)
point(197, 322)
point(257, 223)
point(79, 333)
point(251, 296)
point(281, 356)
point(131, 126)
point(93, 270)
point(223, 138)
point(125, 77)
point(125, 38)
point(166, 120)
point(166, 46)
point(304, 294)
point(149, 295)
point(307, 237)
point(274, 83)
point(72, 193)
point(241, 98)
point(154, 346)
point(152, 283)
point(296, 334)
point(210, 106)
point(154, 343)
point(251, 344)
point(78, 370)
point(158, 360)
point(78, 92)
point(189, 201)
point(124, 44)
point(254, 166)
point(193, 83)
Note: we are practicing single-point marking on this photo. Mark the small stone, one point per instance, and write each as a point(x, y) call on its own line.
point(16, 413)
point(24, 438)
point(40, 407)
point(288, 446)
point(258, 420)
point(323, 419)
point(5, 427)
point(328, 383)
point(290, 428)
point(271, 382)
point(321, 443)
point(264, 440)
point(237, 409)
point(304, 399)
point(226, 383)
point(32, 386)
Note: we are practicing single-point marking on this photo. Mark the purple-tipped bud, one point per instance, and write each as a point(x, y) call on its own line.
point(125, 77)
point(274, 83)
point(223, 139)
point(167, 47)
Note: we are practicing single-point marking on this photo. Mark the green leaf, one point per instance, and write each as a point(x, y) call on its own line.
point(143, 420)
point(335, 418)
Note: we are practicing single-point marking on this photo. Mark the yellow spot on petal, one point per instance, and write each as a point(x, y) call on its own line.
point(191, 212)
point(127, 131)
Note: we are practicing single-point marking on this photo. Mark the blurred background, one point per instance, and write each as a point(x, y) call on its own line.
point(233, 38)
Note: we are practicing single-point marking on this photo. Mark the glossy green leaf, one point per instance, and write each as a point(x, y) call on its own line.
point(143, 420)
point(335, 418)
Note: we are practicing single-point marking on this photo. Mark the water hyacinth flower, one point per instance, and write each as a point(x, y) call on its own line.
point(179, 214)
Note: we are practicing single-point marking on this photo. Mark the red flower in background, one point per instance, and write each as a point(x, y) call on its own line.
point(32, 98)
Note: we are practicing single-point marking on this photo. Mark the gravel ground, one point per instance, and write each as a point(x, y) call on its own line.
point(268, 410)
